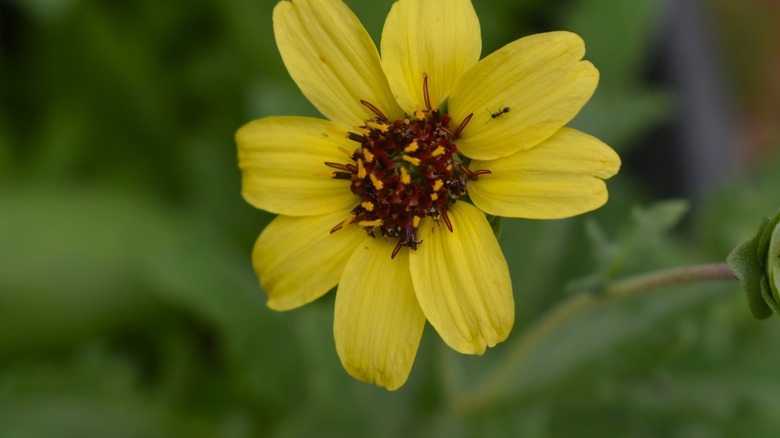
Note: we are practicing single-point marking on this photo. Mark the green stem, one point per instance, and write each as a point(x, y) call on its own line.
point(574, 306)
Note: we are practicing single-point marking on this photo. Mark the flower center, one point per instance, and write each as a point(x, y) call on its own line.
point(402, 171)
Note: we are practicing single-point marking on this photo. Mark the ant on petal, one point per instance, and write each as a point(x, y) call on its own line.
point(499, 113)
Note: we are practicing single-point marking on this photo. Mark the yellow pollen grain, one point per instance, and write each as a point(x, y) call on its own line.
point(374, 223)
point(414, 161)
point(381, 127)
point(416, 221)
point(368, 205)
point(368, 155)
point(438, 151)
point(419, 114)
point(437, 185)
point(378, 184)
point(434, 196)
point(361, 169)
point(449, 167)
point(405, 178)
point(413, 146)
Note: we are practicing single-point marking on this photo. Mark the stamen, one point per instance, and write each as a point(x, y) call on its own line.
point(368, 205)
point(397, 248)
point(473, 174)
point(462, 125)
point(339, 166)
point(337, 227)
point(437, 185)
point(413, 146)
point(416, 221)
point(425, 92)
point(438, 151)
point(355, 137)
point(434, 196)
point(374, 109)
point(446, 219)
point(419, 115)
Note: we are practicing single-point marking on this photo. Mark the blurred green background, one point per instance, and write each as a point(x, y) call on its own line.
point(128, 305)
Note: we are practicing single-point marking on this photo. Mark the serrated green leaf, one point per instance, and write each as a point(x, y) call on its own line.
point(744, 263)
point(603, 248)
point(639, 236)
point(659, 217)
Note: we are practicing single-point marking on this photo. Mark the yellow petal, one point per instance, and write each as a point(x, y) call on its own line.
point(440, 38)
point(561, 177)
point(332, 59)
point(462, 281)
point(542, 82)
point(282, 165)
point(298, 259)
point(378, 323)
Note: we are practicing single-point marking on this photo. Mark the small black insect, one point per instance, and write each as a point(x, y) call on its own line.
point(497, 114)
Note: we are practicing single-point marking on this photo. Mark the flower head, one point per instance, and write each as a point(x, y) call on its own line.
point(387, 197)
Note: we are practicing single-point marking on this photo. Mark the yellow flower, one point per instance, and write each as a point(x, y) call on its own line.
point(387, 198)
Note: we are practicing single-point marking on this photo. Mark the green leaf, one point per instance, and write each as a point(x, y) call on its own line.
point(635, 243)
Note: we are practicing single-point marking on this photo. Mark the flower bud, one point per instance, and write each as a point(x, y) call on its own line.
point(756, 263)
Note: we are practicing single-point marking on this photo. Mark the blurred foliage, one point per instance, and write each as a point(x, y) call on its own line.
point(128, 306)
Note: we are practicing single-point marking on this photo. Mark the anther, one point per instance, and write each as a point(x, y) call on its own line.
point(413, 146)
point(374, 223)
point(374, 109)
